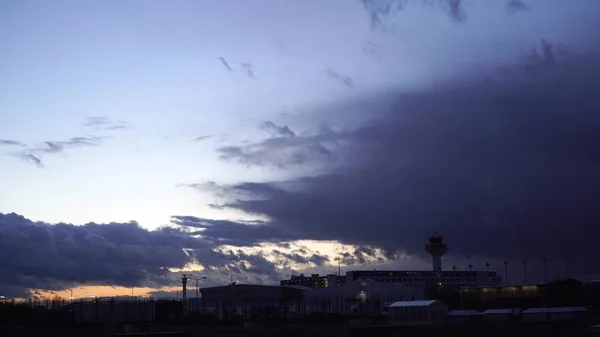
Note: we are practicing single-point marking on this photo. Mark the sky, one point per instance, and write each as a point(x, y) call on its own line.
point(255, 139)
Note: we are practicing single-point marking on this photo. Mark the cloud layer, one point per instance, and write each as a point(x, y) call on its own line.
point(504, 164)
point(38, 255)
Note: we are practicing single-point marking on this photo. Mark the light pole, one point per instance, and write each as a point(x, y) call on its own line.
point(72, 279)
point(197, 288)
point(197, 284)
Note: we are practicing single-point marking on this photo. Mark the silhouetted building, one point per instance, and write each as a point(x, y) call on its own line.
point(424, 278)
point(314, 281)
point(501, 297)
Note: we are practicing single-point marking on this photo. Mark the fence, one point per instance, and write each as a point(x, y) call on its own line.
point(199, 309)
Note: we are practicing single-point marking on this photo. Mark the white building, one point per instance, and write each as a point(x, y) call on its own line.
point(499, 315)
point(464, 316)
point(554, 314)
point(431, 312)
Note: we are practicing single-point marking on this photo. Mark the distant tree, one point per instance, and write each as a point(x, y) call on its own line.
point(562, 293)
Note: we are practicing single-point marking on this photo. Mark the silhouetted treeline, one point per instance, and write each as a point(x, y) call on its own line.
point(16, 313)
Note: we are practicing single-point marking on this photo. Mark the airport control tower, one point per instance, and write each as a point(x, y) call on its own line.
point(436, 248)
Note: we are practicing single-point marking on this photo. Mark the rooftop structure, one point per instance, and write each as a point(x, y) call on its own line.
point(314, 281)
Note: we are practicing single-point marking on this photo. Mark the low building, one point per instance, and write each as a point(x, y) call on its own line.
point(499, 316)
point(464, 317)
point(555, 314)
point(482, 298)
point(244, 299)
point(430, 312)
point(314, 281)
point(359, 297)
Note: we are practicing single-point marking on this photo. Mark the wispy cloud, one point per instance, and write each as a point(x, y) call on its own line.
point(201, 138)
point(249, 68)
point(282, 149)
point(277, 131)
point(104, 123)
point(336, 76)
point(225, 64)
point(7, 142)
point(33, 154)
point(514, 6)
point(29, 158)
point(61, 146)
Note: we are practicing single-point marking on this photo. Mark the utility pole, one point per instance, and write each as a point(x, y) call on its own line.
point(505, 272)
point(545, 270)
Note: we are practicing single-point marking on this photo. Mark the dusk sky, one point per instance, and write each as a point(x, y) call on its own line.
point(254, 139)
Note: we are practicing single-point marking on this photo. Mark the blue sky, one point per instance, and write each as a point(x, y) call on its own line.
point(153, 67)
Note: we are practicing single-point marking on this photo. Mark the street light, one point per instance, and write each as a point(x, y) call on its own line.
point(197, 287)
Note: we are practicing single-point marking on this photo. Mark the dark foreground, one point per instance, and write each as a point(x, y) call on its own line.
point(329, 330)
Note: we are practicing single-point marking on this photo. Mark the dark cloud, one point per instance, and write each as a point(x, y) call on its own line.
point(336, 76)
point(514, 6)
point(104, 123)
point(370, 48)
point(40, 255)
point(317, 260)
point(277, 131)
point(225, 64)
point(233, 233)
point(29, 158)
point(37, 255)
point(249, 68)
point(381, 11)
point(506, 170)
point(61, 146)
point(456, 10)
point(201, 138)
point(7, 142)
point(283, 148)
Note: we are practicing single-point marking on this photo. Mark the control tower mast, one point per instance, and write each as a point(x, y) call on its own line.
point(184, 281)
point(436, 248)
